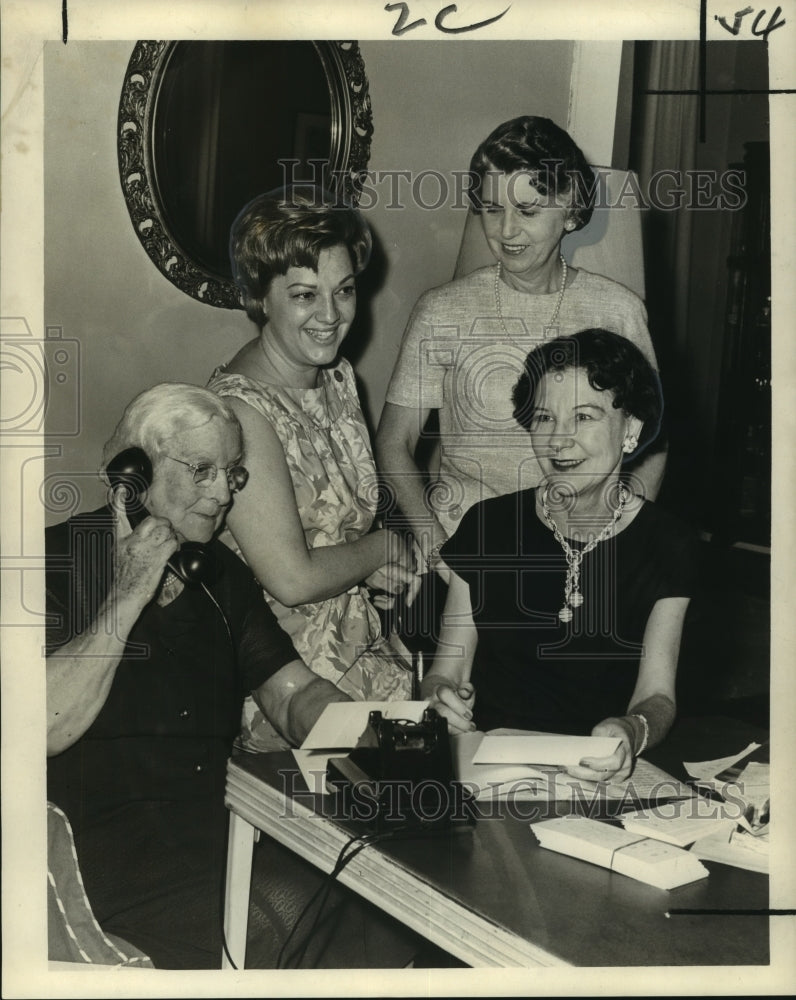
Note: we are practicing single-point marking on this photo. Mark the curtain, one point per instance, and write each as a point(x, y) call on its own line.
point(665, 138)
point(664, 134)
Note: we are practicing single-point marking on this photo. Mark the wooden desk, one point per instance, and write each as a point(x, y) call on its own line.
point(492, 896)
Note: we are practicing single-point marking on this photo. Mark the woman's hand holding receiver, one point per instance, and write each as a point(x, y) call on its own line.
point(141, 557)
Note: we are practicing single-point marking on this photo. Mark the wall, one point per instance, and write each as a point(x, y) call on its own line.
point(419, 127)
point(432, 103)
point(696, 466)
point(133, 326)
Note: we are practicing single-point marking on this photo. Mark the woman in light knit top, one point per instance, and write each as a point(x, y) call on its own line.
point(466, 341)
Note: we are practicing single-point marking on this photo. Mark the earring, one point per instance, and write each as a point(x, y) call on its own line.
point(630, 443)
point(569, 225)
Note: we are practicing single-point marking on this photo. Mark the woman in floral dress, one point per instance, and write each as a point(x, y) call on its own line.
point(304, 523)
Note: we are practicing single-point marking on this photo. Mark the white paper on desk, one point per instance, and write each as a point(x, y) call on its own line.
point(565, 751)
point(684, 822)
point(707, 770)
point(489, 780)
point(524, 783)
point(647, 782)
point(740, 850)
point(341, 723)
point(662, 865)
point(755, 782)
point(313, 764)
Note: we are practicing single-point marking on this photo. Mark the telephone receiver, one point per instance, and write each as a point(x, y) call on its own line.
point(131, 470)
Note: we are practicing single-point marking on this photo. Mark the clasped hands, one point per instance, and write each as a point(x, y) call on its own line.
point(399, 573)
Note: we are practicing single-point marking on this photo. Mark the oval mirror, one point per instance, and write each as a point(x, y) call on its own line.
point(204, 127)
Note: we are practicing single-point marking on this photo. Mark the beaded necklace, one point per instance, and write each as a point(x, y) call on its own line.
point(572, 595)
point(548, 330)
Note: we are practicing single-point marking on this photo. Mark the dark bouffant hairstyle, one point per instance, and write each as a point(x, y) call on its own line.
point(612, 363)
point(541, 148)
point(289, 227)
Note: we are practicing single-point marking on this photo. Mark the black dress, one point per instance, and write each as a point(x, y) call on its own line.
point(533, 671)
point(144, 787)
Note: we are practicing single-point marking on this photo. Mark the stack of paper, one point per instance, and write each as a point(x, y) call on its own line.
point(548, 782)
point(661, 865)
point(542, 748)
point(493, 780)
point(714, 773)
point(745, 778)
point(683, 822)
point(740, 849)
point(754, 787)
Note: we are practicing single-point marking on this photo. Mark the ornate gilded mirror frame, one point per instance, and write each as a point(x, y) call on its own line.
point(351, 131)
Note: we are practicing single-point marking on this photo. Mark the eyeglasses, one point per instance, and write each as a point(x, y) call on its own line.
point(205, 474)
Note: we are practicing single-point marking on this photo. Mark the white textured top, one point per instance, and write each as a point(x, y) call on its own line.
point(456, 358)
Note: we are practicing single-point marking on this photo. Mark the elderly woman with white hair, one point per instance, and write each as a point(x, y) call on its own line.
point(156, 633)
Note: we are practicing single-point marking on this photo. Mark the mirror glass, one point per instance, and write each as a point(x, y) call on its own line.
point(204, 127)
point(223, 120)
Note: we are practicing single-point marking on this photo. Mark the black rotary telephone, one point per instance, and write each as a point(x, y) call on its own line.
point(400, 776)
point(131, 470)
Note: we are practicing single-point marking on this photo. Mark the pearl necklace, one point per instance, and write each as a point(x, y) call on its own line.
point(171, 586)
point(572, 595)
point(548, 330)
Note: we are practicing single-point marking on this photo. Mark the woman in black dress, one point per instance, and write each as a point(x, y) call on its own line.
point(567, 601)
point(149, 659)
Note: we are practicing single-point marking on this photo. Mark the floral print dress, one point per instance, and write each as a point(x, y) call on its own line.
point(328, 453)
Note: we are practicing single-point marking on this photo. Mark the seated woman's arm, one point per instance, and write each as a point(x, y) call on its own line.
point(267, 526)
point(653, 696)
point(80, 673)
point(294, 697)
point(447, 685)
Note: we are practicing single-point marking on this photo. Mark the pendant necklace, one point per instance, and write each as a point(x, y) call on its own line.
point(551, 330)
point(572, 595)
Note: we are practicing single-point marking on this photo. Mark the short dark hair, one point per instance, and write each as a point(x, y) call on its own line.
point(611, 362)
point(289, 227)
point(541, 148)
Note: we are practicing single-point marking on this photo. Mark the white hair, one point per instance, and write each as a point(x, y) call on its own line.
point(162, 411)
